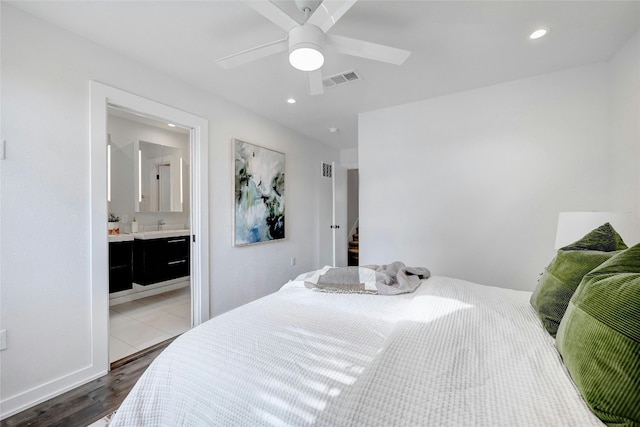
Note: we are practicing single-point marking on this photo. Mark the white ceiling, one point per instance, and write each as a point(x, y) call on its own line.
point(455, 45)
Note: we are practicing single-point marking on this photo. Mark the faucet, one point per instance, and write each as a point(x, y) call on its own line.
point(160, 224)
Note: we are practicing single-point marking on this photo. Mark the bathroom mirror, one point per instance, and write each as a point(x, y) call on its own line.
point(158, 172)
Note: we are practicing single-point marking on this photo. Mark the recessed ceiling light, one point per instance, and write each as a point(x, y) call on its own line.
point(291, 101)
point(539, 33)
point(171, 125)
point(333, 130)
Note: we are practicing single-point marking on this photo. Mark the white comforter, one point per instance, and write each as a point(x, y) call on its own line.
point(453, 353)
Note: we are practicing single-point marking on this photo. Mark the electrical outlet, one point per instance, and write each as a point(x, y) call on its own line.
point(3, 339)
point(293, 261)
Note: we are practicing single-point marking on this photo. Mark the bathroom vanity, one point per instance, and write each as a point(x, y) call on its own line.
point(148, 258)
point(159, 256)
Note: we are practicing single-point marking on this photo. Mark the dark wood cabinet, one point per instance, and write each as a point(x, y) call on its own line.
point(157, 260)
point(120, 266)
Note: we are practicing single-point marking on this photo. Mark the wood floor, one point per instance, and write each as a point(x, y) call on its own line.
point(89, 403)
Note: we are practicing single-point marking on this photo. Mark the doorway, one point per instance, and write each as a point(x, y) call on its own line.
point(353, 217)
point(153, 156)
point(332, 199)
point(103, 96)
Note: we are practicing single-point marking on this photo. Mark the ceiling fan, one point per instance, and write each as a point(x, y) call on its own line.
point(306, 42)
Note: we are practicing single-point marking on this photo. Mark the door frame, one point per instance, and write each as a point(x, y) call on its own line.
point(102, 96)
point(332, 211)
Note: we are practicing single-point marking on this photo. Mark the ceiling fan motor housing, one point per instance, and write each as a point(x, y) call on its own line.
point(304, 38)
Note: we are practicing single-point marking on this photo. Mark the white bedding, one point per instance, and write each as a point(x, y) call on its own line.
point(452, 353)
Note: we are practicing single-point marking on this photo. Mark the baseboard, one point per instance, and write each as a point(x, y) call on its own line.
point(44, 392)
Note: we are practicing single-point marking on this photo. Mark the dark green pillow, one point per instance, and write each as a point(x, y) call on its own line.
point(563, 275)
point(599, 339)
point(603, 238)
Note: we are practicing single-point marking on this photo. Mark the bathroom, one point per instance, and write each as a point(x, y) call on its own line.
point(148, 182)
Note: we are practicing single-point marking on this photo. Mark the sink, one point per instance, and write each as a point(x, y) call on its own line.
point(145, 235)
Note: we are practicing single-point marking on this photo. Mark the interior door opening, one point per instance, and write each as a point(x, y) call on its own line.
point(353, 217)
point(333, 215)
point(149, 256)
point(196, 196)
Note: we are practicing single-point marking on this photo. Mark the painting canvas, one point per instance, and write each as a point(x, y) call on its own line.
point(259, 194)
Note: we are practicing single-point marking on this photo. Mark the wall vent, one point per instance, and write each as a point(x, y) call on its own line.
point(341, 78)
point(326, 170)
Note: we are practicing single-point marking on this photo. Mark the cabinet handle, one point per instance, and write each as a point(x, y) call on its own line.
point(176, 241)
point(177, 262)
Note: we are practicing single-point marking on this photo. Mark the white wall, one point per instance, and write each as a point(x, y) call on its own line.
point(625, 122)
point(45, 212)
point(349, 158)
point(470, 185)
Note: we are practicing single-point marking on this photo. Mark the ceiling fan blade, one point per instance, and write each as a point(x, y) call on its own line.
point(253, 54)
point(328, 13)
point(273, 13)
point(315, 82)
point(368, 50)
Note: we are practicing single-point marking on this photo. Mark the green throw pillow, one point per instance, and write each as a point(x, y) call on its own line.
point(563, 275)
point(603, 238)
point(599, 339)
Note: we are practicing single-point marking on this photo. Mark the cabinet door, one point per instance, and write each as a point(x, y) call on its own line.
point(120, 266)
point(177, 257)
point(147, 261)
point(157, 260)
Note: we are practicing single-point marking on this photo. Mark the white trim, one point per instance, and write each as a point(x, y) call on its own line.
point(44, 392)
point(99, 275)
point(199, 196)
point(333, 211)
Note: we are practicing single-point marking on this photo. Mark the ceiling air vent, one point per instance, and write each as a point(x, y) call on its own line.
point(341, 78)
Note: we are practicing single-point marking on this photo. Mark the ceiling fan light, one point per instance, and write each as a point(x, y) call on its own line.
point(306, 58)
point(306, 47)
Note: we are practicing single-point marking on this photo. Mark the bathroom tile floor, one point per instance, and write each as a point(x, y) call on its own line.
point(136, 325)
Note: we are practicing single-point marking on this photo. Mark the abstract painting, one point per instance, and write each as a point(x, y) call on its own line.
point(259, 194)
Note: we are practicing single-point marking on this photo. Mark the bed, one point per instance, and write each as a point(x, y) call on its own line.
point(451, 353)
